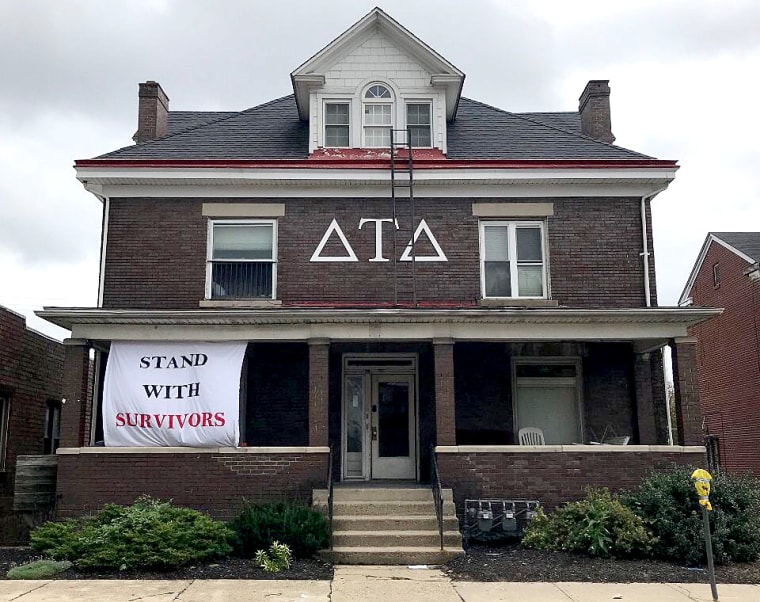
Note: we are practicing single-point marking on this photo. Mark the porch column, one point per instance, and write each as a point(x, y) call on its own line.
point(319, 388)
point(651, 404)
point(688, 412)
point(445, 414)
point(76, 409)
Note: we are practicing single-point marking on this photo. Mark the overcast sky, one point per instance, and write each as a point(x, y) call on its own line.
point(684, 79)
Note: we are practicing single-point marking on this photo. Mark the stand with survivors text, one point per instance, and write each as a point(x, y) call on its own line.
point(172, 394)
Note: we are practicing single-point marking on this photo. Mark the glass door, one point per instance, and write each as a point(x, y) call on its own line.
point(392, 425)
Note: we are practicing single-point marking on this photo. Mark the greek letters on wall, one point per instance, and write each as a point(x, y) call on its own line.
point(334, 229)
point(172, 394)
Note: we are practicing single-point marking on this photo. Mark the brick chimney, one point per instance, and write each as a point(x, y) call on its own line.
point(594, 107)
point(152, 113)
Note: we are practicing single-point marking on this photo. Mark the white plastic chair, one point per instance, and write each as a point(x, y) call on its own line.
point(617, 440)
point(531, 436)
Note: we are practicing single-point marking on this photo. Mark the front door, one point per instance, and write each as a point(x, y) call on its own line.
point(379, 419)
point(392, 427)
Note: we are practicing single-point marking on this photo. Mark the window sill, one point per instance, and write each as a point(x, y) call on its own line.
point(242, 303)
point(516, 302)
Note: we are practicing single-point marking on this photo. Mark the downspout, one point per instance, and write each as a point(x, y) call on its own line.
point(103, 242)
point(106, 200)
point(645, 242)
point(648, 295)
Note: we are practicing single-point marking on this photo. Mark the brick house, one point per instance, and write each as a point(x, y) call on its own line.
point(726, 275)
point(395, 306)
point(31, 366)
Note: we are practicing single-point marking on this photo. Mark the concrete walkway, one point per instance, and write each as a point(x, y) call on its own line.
point(365, 584)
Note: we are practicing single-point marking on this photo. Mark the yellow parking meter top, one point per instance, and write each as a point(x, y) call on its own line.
point(702, 480)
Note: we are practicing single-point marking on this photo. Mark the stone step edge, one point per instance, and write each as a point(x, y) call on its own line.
point(386, 550)
point(386, 532)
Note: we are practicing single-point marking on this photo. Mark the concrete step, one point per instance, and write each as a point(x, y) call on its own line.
point(422, 522)
point(387, 494)
point(400, 555)
point(319, 496)
point(395, 539)
point(386, 508)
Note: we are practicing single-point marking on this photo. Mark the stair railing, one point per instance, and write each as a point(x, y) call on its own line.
point(330, 496)
point(435, 485)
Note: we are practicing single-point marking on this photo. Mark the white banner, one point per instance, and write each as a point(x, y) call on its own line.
point(172, 394)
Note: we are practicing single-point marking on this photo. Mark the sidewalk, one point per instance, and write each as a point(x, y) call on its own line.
point(365, 584)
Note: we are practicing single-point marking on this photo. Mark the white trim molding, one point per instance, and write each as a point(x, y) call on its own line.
point(652, 326)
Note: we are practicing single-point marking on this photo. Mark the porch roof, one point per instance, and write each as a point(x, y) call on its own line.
point(650, 327)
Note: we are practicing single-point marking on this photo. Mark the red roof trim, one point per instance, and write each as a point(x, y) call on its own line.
point(374, 164)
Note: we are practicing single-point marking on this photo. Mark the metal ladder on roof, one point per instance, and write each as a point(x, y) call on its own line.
point(402, 187)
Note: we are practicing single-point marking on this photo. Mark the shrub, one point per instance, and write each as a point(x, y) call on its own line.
point(669, 505)
point(302, 529)
point(148, 534)
point(38, 569)
point(277, 560)
point(598, 525)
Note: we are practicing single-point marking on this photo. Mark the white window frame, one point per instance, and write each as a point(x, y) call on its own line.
point(378, 101)
point(512, 226)
point(420, 101)
point(548, 381)
point(5, 414)
point(241, 222)
point(336, 101)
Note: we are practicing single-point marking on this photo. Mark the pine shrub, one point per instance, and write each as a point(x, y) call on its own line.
point(299, 527)
point(149, 534)
point(669, 505)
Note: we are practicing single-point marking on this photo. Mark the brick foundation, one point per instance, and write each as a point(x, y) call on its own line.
point(552, 477)
point(216, 482)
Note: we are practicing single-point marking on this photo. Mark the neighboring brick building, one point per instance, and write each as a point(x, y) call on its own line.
point(515, 288)
point(726, 275)
point(31, 366)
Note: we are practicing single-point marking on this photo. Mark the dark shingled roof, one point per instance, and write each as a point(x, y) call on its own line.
point(274, 131)
point(746, 242)
point(179, 121)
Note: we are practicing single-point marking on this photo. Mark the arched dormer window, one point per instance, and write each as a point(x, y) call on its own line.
point(377, 116)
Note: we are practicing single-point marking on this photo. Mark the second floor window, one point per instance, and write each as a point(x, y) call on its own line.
point(242, 260)
point(512, 259)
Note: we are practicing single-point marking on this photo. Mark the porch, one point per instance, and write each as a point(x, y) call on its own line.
point(381, 390)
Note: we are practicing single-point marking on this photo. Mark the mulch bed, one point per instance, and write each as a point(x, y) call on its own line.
point(510, 562)
point(226, 568)
point(507, 562)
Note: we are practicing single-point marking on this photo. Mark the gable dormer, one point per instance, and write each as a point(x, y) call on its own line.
point(375, 77)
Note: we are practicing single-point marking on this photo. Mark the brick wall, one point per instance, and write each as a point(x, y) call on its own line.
point(552, 478)
point(728, 359)
point(157, 249)
point(30, 376)
point(215, 482)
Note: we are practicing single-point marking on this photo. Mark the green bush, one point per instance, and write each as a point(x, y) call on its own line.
point(669, 505)
point(302, 529)
point(148, 534)
point(38, 569)
point(598, 525)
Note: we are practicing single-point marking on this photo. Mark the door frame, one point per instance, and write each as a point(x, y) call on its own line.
point(372, 364)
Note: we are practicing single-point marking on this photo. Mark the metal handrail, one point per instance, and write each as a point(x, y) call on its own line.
point(435, 485)
point(330, 495)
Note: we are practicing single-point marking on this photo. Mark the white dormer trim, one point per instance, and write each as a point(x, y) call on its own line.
point(445, 76)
